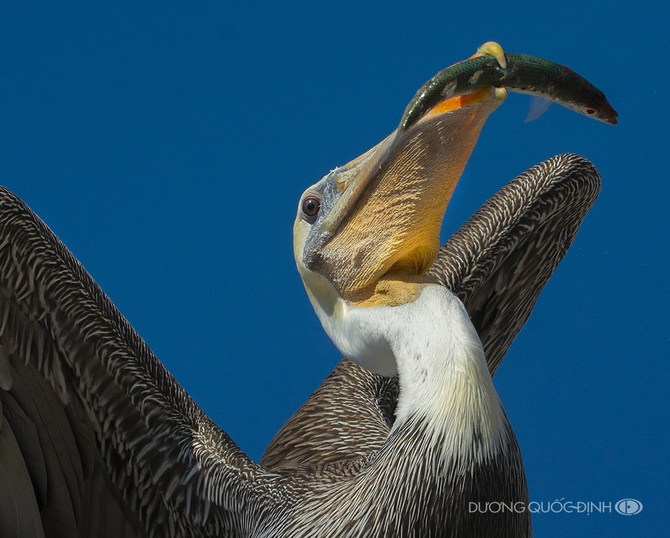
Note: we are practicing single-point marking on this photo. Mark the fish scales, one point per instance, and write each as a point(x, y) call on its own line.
point(524, 74)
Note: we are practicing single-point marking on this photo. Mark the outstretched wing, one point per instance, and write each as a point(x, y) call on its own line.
point(497, 263)
point(96, 437)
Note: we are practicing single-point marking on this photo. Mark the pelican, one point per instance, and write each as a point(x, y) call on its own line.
point(98, 439)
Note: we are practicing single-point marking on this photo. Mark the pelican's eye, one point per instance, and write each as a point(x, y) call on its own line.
point(310, 208)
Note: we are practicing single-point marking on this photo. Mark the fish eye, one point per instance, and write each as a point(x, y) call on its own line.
point(310, 208)
point(590, 111)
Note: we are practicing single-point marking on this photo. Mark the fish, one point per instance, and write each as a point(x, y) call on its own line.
point(519, 73)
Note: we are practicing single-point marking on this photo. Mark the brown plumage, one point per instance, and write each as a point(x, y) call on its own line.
point(98, 439)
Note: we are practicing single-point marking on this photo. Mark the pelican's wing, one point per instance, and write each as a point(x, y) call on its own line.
point(96, 437)
point(498, 262)
point(346, 418)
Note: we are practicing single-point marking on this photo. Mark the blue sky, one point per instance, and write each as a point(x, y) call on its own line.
point(167, 146)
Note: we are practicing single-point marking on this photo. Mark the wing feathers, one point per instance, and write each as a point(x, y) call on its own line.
point(20, 515)
point(103, 405)
point(499, 261)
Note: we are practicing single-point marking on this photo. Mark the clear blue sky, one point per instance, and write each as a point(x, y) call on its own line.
point(167, 147)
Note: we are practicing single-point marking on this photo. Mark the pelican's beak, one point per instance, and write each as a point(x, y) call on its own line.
point(381, 214)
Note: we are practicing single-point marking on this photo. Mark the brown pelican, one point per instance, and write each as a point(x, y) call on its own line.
point(98, 439)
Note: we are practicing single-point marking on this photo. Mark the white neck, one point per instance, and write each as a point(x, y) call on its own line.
point(444, 379)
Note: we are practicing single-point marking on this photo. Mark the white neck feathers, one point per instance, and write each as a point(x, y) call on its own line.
point(444, 380)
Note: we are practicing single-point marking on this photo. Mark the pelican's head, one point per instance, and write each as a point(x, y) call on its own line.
point(367, 232)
